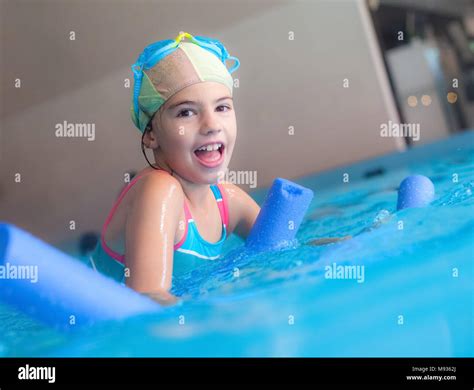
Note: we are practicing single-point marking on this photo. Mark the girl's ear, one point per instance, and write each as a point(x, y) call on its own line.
point(149, 138)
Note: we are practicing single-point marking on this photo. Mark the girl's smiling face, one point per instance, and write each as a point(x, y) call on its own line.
point(194, 132)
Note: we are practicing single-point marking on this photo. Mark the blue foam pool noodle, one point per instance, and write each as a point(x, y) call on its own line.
point(66, 293)
point(415, 191)
point(280, 216)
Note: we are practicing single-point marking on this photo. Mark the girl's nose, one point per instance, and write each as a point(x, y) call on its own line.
point(210, 124)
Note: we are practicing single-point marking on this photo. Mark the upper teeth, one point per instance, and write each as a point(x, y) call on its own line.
point(210, 147)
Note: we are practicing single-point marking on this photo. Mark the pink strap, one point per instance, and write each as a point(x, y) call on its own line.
point(115, 255)
point(223, 206)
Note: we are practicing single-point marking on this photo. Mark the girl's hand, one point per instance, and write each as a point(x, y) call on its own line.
point(162, 297)
point(327, 240)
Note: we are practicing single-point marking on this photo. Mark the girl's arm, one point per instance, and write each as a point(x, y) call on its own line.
point(243, 210)
point(150, 232)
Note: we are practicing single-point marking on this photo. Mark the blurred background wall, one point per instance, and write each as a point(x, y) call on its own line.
point(320, 66)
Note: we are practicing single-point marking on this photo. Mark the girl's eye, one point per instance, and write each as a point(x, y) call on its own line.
point(185, 113)
point(224, 108)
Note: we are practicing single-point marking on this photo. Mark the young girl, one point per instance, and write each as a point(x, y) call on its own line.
point(174, 214)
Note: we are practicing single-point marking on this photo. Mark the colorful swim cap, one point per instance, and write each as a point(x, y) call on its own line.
point(166, 67)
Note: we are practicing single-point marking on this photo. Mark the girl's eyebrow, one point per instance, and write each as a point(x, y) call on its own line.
point(192, 102)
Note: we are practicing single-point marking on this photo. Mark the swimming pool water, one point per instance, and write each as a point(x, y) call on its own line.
point(412, 295)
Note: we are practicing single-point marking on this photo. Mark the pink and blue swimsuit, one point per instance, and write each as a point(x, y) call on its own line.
point(189, 252)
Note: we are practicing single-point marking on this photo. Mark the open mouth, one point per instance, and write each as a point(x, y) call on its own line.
point(211, 154)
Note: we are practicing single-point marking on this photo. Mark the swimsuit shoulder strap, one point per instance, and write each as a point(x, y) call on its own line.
point(117, 256)
point(219, 193)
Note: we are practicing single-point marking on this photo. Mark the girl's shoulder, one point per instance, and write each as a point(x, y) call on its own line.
point(155, 176)
point(153, 183)
point(232, 192)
